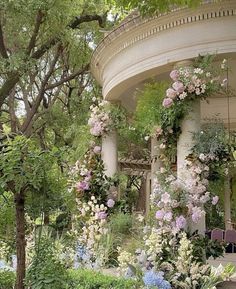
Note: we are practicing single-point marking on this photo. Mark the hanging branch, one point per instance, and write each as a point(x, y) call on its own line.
point(40, 95)
point(38, 22)
point(68, 78)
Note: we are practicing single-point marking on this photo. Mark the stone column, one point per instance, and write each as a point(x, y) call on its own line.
point(110, 153)
point(155, 160)
point(190, 124)
point(148, 192)
point(227, 203)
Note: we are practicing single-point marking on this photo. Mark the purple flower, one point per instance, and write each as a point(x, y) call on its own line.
point(97, 149)
point(180, 222)
point(168, 216)
point(102, 215)
point(160, 214)
point(167, 102)
point(82, 186)
point(178, 86)
point(155, 280)
point(174, 75)
point(96, 129)
point(110, 203)
point(197, 213)
point(171, 93)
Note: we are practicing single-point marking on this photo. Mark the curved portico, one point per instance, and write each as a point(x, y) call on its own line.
point(141, 49)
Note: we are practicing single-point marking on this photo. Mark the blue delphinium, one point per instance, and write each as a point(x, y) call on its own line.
point(155, 279)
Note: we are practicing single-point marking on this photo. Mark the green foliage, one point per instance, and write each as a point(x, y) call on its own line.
point(151, 115)
point(150, 7)
point(119, 229)
point(85, 279)
point(121, 223)
point(23, 164)
point(47, 270)
point(148, 114)
point(7, 219)
point(212, 139)
point(7, 279)
point(203, 246)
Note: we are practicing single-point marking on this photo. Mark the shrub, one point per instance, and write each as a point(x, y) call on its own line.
point(7, 279)
point(86, 279)
point(121, 223)
point(46, 270)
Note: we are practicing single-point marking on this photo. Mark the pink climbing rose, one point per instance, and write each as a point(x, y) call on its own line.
point(171, 93)
point(167, 102)
point(178, 86)
point(97, 149)
point(174, 74)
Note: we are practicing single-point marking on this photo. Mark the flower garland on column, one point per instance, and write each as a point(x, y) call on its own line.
point(91, 185)
point(166, 259)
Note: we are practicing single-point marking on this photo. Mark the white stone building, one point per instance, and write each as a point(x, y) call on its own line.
point(140, 49)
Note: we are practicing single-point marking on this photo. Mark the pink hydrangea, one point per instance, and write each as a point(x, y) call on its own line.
point(110, 203)
point(171, 93)
point(168, 216)
point(167, 102)
point(215, 200)
point(178, 86)
point(180, 222)
point(82, 186)
point(97, 149)
point(174, 75)
point(197, 213)
point(96, 129)
point(160, 214)
point(102, 215)
point(165, 198)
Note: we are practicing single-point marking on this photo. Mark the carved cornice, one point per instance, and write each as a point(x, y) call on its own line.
point(138, 29)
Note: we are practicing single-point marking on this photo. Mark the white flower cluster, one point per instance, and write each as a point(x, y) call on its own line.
point(154, 244)
point(188, 273)
point(94, 219)
point(99, 120)
point(125, 259)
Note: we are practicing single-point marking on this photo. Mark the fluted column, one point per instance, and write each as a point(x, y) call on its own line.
point(155, 160)
point(191, 124)
point(110, 153)
point(227, 202)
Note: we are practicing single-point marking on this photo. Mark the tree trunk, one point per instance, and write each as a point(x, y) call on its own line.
point(20, 240)
point(46, 218)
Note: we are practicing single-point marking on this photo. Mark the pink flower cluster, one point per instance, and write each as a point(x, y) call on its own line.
point(83, 171)
point(196, 187)
point(84, 184)
point(165, 214)
point(187, 81)
point(99, 120)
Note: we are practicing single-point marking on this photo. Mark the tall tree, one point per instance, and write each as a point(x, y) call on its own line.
point(153, 7)
point(45, 46)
